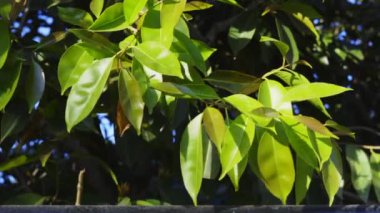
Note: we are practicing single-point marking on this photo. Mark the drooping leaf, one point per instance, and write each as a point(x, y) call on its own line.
point(242, 30)
point(340, 130)
point(313, 90)
point(296, 135)
point(196, 5)
point(86, 92)
point(9, 78)
point(157, 57)
point(96, 7)
point(237, 171)
point(252, 158)
point(315, 125)
point(276, 166)
point(132, 9)
point(234, 82)
point(271, 94)
point(237, 142)
point(286, 36)
point(214, 125)
point(332, 174)
point(375, 168)
point(281, 46)
point(35, 84)
point(131, 99)
point(322, 145)
point(75, 16)
point(121, 121)
point(211, 159)
point(186, 90)
point(74, 61)
point(361, 175)
point(171, 12)
point(303, 179)
point(191, 157)
point(5, 42)
point(112, 19)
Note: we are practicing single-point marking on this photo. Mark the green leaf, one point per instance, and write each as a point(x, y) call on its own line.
point(5, 8)
point(340, 130)
point(242, 30)
point(132, 9)
point(286, 36)
point(186, 90)
point(75, 16)
point(11, 123)
point(296, 6)
point(313, 90)
point(74, 61)
point(171, 12)
point(214, 125)
point(35, 85)
point(95, 42)
point(234, 82)
point(157, 57)
point(281, 46)
point(231, 2)
point(151, 28)
point(322, 145)
point(26, 199)
point(375, 168)
point(9, 78)
point(211, 159)
point(294, 133)
point(5, 42)
point(303, 179)
point(332, 174)
point(237, 142)
point(361, 175)
point(15, 162)
point(252, 158)
point(292, 79)
point(196, 5)
point(315, 125)
point(276, 166)
point(131, 99)
point(112, 19)
point(191, 157)
point(96, 7)
point(270, 95)
point(86, 92)
point(235, 173)
point(206, 51)
point(186, 45)
point(308, 23)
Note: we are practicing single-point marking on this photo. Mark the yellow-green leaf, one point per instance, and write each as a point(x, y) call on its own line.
point(9, 78)
point(315, 125)
point(303, 179)
point(196, 5)
point(132, 9)
point(171, 12)
point(214, 125)
point(96, 7)
point(112, 19)
point(305, 92)
point(5, 42)
point(271, 94)
point(332, 174)
point(75, 16)
point(211, 159)
point(375, 168)
point(237, 171)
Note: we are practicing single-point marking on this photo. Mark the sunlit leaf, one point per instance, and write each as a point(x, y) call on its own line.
point(9, 78)
point(186, 90)
point(171, 12)
point(214, 125)
point(303, 179)
point(196, 5)
point(112, 19)
point(211, 159)
point(235, 173)
point(287, 37)
point(332, 174)
point(375, 168)
point(313, 90)
point(315, 125)
point(96, 7)
point(132, 9)
point(271, 94)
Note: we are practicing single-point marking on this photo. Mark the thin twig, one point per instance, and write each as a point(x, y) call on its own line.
point(80, 187)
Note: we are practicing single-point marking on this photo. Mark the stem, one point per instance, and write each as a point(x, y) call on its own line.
point(80, 187)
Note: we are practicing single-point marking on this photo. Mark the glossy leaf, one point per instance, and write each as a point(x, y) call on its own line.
point(235, 173)
point(276, 166)
point(5, 42)
point(237, 142)
point(196, 5)
point(151, 28)
point(9, 78)
point(74, 61)
point(35, 84)
point(296, 135)
point(171, 12)
point(112, 19)
point(214, 125)
point(132, 9)
point(286, 36)
point(270, 95)
point(315, 125)
point(186, 90)
point(157, 57)
point(313, 90)
point(322, 145)
point(96, 7)
point(234, 82)
point(211, 159)
point(375, 168)
point(206, 51)
point(332, 174)
point(242, 30)
point(191, 157)
point(303, 179)
point(361, 174)
point(75, 16)
point(86, 92)
point(131, 99)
